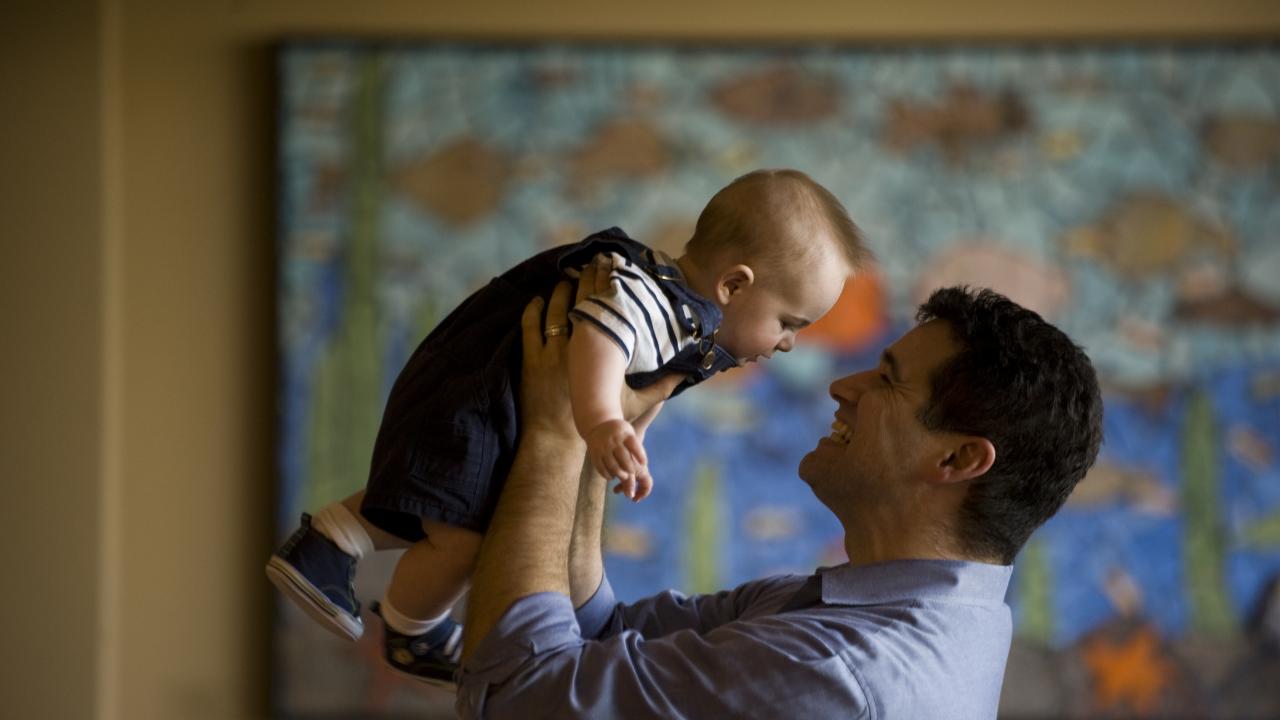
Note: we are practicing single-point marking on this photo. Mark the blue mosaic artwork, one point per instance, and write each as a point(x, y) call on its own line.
point(1130, 195)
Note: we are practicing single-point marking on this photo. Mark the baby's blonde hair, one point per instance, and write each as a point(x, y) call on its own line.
point(763, 218)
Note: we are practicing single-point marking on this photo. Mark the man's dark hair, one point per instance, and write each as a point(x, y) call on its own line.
point(1025, 386)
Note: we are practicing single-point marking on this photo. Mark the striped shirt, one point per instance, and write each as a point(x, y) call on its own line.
point(637, 315)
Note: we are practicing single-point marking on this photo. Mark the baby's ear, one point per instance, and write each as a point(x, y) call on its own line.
point(733, 280)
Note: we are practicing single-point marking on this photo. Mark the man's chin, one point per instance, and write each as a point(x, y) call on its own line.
point(810, 465)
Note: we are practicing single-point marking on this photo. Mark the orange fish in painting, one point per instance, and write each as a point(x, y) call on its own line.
point(858, 317)
point(1128, 672)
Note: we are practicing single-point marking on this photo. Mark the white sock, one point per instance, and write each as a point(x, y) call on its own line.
point(336, 522)
point(402, 623)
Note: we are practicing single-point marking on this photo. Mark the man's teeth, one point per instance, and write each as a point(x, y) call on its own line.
point(840, 432)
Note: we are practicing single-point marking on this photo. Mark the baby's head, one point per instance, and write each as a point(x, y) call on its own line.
point(773, 249)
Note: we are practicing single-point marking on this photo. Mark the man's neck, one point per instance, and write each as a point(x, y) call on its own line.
point(881, 539)
point(870, 553)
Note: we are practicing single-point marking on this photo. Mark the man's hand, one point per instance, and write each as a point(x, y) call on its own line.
point(544, 382)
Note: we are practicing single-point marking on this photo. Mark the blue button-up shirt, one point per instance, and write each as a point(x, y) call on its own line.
point(905, 639)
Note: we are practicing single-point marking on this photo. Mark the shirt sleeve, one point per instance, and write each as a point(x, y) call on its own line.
point(602, 616)
point(535, 664)
point(596, 614)
point(635, 314)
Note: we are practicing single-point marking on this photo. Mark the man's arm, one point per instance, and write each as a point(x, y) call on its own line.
point(527, 549)
point(586, 563)
point(537, 666)
point(598, 613)
point(524, 551)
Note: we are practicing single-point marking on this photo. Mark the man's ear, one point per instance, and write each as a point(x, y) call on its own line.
point(970, 456)
point(733, 281)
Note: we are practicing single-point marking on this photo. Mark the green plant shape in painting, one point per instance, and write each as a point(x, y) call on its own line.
point(1263, 533)
point(1204, 545)
point(704, 527)
point(346, 389)
point(1035, 593)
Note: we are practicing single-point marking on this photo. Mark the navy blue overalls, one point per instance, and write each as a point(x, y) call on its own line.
point(450, 428)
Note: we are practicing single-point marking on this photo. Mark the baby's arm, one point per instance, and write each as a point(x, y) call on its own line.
point(596, 376)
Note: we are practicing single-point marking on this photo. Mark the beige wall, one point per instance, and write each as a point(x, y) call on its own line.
point(51, 356)
point(137, 304)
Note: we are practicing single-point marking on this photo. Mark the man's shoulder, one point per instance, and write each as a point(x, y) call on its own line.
point(764, 596)
point(769, 582)
point(923, 659)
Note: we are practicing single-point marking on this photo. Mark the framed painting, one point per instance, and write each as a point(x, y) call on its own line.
point(1129, 194)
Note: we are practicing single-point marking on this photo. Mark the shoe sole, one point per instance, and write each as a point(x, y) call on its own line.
point(294, 586)
point(442, 684)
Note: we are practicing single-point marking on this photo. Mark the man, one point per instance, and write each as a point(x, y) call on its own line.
point(970, 433)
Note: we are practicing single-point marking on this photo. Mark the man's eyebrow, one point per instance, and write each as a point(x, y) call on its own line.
point(889, 359)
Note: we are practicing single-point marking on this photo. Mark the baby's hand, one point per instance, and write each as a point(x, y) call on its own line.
point(616, 452)
point(637, 489)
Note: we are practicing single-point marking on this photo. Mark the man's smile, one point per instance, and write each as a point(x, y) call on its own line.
point(840, 432)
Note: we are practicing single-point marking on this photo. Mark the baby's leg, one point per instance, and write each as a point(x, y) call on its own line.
point(315, 566)
point(381, 539)
point(420, 640)
point(430, 577)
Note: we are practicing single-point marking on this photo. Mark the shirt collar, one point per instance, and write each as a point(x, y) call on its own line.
point(954, 580)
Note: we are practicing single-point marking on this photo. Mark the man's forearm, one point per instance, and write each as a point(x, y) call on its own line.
point(586, 567)
point(525, 549)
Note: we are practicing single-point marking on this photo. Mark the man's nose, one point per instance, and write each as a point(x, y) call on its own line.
point(785, 345)
point(849, 388)
point(843, 389)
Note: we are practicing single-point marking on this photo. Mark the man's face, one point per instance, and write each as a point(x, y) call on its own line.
point(878, 446)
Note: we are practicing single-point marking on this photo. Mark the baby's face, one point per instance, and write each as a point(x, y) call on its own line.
point(765, 317)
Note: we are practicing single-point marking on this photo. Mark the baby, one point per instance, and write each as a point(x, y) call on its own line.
point(769, 255)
